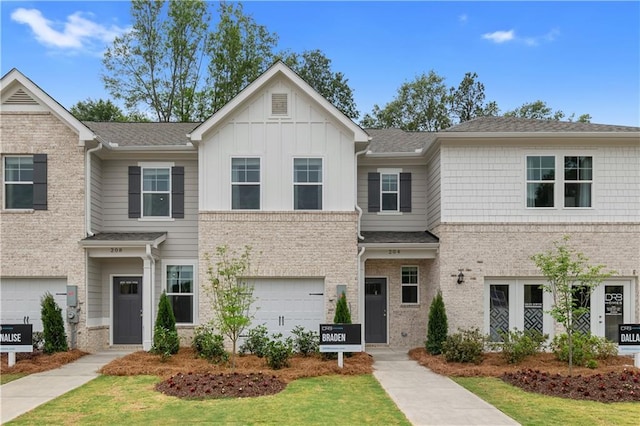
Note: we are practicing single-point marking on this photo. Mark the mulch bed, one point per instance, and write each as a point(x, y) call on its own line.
point(221, 385)
point(37, 361)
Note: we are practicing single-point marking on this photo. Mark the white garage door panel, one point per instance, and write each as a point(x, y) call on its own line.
point(283, 304)
point(20, 298)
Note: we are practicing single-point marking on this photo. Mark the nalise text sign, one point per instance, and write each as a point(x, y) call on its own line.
point(16, 338)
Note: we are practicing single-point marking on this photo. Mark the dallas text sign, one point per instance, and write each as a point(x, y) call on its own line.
point(629, 337)
point(340, 338)
point(16, 338)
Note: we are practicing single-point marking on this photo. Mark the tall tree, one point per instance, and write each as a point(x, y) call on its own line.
point(100, 110)
point(158, 62)
point(538, 110)
point(420, 105)
point(240, 50)
point(315, 68)
point(467, 100)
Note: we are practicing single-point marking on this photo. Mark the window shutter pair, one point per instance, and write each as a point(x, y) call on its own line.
point(374, 192)
point(177, 192)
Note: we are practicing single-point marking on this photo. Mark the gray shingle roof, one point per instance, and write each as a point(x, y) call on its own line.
point(390, 237)
point(126, 236)
point(142, 134)
point(397, 140)
point(513, 124)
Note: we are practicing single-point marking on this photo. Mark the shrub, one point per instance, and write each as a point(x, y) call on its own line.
point(256, 342)
point(37, 337)
point(278, 352)
point(437, 327)
point(165, 335)
point(305, 342)
point(209, 345)
point(585, 348)
point(464, 346)
point(342, 316)
point(516, 344)
point(55, 338)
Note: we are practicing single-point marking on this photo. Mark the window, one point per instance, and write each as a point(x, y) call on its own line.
point(540, 181)
point(156, 192)
point(578, 175)
point(410, 284)
point(18, 182)
point(389, 190)
point(245, 183)
point(307, 184)
point(25, 182)
point(180, 285)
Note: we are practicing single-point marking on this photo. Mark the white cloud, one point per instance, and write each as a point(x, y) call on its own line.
point(499, 36)
point(79, 31)
point(463, 18)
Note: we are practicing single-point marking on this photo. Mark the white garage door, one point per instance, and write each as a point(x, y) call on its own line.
point(283, 304)
point(20, 298)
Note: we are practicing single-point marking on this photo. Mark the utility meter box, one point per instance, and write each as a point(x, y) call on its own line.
point(72, 295)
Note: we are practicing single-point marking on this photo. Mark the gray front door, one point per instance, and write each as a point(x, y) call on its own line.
point(375, 310)
point(127, 310)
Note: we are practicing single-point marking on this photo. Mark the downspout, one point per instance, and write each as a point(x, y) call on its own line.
point(87, 198)
point(361, 292)
point(358, 209)
point(147, 308)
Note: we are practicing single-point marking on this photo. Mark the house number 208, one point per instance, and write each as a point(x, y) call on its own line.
point(394, 251)
point(116, 250)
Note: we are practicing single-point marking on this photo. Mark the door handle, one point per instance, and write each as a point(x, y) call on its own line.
point(140, 313)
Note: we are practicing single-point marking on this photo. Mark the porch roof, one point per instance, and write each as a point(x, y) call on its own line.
point(124, 238)
point(397, 237)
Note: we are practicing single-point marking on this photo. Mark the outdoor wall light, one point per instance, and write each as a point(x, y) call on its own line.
point(460, 277)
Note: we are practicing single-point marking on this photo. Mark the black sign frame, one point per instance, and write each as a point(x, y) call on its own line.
point(16, 338)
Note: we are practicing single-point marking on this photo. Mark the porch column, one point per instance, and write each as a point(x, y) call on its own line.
point(147, 303)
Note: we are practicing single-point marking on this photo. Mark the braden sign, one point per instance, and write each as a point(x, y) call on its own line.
point(340, 338)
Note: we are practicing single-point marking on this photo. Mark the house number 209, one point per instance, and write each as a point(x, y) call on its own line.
point(116, 250)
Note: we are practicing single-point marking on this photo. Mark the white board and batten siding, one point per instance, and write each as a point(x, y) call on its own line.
point(21, 298)
point(413, 221)
point(308, 131)
point(488, 183)
point(283, 303)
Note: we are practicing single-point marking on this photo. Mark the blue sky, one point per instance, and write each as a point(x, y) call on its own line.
point(579, 57)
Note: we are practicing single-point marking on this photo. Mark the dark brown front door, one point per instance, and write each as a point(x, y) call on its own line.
point(375, 310)
point(127, 310)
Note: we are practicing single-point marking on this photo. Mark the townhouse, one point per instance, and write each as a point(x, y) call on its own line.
point(125, 211)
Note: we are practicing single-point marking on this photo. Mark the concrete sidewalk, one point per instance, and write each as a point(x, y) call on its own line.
point(25, 394)
point(427, 398)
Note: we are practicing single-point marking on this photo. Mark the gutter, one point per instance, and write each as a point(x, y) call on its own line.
point(87, 180)
point(361, 294)
point(355, 181)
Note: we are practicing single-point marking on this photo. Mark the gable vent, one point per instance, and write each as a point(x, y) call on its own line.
point(20, 98)
point(279, 104)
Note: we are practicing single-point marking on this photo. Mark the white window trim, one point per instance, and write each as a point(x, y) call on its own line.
point(516, 300)
point(417, 285)
point(155, 165)
point(183, 262)
point(259, 183)
point(388, 171)
point(5, 182)
point(555, 181)
point(293, 178)
point(565, 181)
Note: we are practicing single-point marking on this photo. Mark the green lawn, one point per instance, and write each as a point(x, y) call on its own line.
point(6, 378)
point(131, 400)
point(534, 409)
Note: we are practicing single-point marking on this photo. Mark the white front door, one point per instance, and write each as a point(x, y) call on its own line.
point(611, 304)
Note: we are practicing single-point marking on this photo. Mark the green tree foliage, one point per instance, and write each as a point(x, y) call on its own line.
point(420, 105)
point(467, 100)
point(239, 50)
point(101, 110)
point(342, 315)
point(165, 335)
point(569, 278)
point(315, 68)
point(437, 327)
point(158, 63)
point(231, 294)
point(55, 338)
point(539, 110)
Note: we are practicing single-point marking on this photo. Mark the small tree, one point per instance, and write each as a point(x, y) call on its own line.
point(55, 338)
point(437, 327)
point(342, 316)
point(165, 335)
point(231, 295)
point(569, 278)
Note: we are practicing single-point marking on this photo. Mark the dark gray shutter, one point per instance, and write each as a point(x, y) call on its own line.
point(374, 192)
point(134, 192)
point(177, 192)
point(405, 192)
point(40, 182)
